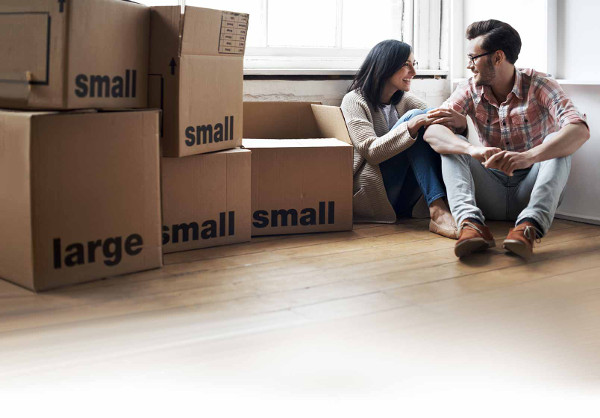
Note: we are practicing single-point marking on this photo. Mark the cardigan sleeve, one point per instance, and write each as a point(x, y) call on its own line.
point(374, 149)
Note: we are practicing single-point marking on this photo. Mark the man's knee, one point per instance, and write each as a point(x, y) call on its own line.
point(456, 158)
point(559, 164)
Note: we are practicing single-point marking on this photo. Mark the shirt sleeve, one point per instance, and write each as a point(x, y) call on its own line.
point(561, 108)
point(460, 100)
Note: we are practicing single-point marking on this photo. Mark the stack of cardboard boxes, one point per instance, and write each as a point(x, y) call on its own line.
point(79, 174)
point(196, 77)
point(85, 170)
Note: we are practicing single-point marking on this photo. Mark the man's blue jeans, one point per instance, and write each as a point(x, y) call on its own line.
point(479, 193)
point(414, 171)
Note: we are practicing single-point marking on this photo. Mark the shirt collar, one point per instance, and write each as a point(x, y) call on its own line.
point(517, 89)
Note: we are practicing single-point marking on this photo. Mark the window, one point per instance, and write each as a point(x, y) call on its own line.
point(315, 36)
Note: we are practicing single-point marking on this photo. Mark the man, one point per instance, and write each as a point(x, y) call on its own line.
point(528, 129)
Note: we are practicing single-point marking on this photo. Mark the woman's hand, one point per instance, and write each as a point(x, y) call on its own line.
point(450, 118)
point(416, 123)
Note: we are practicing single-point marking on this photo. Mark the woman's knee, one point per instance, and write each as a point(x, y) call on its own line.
point(411, 114)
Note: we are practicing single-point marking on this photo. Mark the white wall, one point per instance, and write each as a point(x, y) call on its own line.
point(528, 17)
point(331, 92)
point(578, 34)
point(579, 62)
point(582, 194)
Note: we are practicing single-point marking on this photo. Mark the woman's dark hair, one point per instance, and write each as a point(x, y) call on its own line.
point(381, 63)
point(498, 36)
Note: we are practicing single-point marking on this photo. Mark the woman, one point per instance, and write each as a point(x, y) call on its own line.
point(393, 165)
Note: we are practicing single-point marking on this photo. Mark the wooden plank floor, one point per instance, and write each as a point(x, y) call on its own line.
point(383, 306)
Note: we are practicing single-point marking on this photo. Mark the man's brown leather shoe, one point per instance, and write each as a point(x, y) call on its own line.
point(473, 237)
point(520, 240)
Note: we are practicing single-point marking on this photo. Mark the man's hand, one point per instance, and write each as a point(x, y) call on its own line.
point(509, 161)
point(450, 118)
point(483, 154)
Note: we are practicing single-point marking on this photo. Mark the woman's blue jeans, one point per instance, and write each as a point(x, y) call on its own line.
point(415, 171)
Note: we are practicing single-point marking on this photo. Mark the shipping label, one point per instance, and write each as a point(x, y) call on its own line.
point(234, 29)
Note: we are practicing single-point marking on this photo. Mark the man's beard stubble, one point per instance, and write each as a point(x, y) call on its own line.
point(486, 74)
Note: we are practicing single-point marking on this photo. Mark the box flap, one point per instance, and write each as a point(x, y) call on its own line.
point(331, 122)
point(280, 120)
point(256, 143)
point(165, 36)
point(213, 32)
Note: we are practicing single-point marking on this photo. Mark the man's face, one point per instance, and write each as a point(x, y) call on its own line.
point(483, 68)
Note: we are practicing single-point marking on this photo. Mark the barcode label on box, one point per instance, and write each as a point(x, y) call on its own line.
point(234, 28)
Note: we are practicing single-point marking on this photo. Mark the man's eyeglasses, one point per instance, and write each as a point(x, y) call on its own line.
point(474, 57)
point(414, 64)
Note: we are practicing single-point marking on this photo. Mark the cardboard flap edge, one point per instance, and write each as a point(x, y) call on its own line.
point(331, 122)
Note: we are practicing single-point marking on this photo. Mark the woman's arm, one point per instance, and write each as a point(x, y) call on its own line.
point(372, 148)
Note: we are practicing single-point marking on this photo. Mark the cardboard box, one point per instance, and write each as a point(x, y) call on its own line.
point(73, 54)
point(196, 78)
point(205, 200)
point(301, 182)
point(79, 196)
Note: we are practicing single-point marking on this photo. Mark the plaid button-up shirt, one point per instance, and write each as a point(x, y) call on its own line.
point(535, 107)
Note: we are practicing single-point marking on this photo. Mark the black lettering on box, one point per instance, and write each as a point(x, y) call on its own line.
point(211, 228)
point(81, 83)
point(106, 85)
point(75, 254)
point(261, 219)
point(309, 217)
point(206, 134)
point(283, 214)
point(325, 213)
point(185, 232)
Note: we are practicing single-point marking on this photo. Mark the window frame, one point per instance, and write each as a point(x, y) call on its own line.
point(432, 16)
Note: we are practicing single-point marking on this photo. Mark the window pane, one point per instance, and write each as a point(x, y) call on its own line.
point(310, 23)
point(364, 25)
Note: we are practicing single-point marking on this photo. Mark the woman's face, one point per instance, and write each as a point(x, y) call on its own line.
point(401, 78)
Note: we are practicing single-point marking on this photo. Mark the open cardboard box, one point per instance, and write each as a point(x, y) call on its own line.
point(301, 172)
point(196, 78)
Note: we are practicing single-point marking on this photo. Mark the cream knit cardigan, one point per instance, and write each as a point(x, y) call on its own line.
point(374, 143)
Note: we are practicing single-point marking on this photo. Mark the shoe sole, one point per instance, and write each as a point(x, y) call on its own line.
point(447, 233)
point(472, 245)
point(518, 248)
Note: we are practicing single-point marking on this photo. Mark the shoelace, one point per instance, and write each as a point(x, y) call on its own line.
point(531, 234)
point(470, 225)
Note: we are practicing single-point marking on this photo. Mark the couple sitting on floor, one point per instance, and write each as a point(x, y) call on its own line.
point(527, 128)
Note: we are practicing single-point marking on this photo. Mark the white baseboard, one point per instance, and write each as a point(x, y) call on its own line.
point(575, 218)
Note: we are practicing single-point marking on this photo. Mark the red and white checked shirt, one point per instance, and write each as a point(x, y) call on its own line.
point(535, 107)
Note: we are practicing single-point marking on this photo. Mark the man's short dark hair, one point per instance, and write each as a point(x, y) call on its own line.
point(498, 36)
